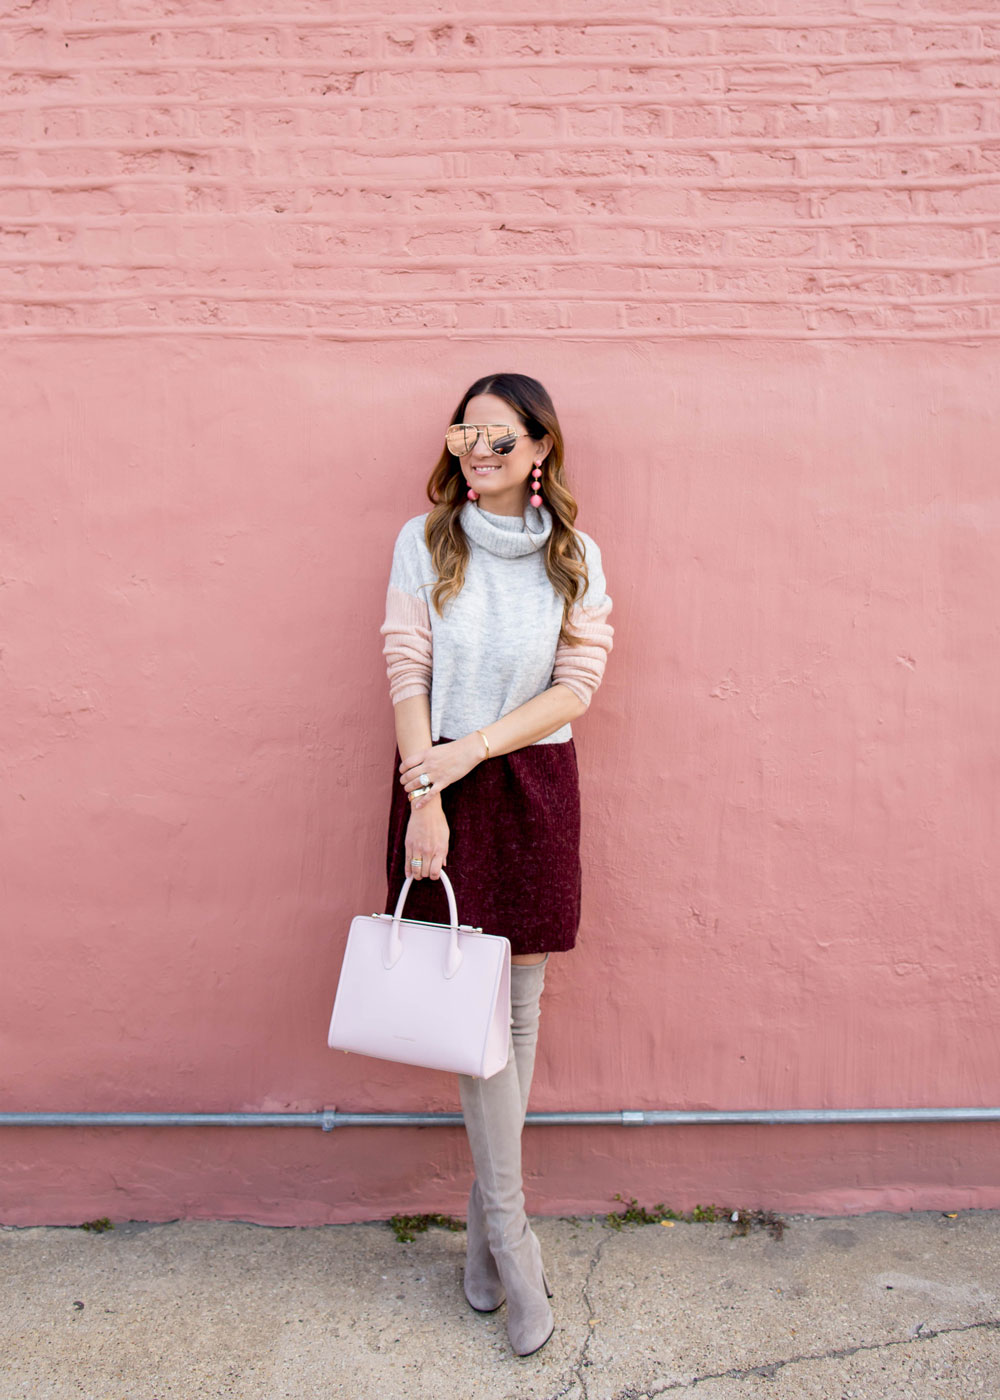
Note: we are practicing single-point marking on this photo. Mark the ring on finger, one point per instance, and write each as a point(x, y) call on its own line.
point(418, 792)
point(425, 779)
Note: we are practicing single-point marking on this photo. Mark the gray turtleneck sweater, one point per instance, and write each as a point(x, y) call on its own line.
point(495, 645)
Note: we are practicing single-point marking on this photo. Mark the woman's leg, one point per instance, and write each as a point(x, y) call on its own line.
point(503, 1254)
point(527, 980)
point(492, 1111)
point(481, 1281)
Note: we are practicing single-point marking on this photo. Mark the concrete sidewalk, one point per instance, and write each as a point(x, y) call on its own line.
point(868, 1306)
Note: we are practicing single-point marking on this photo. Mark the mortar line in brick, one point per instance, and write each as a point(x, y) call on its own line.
point(728, 186)
point(307, 102)
point(427, 263)
point(639, 294)
point(490, 19)
point(164, 301)
point(636, 333)
point(590, 63)
point(673, 264)
point(791, 147)
point(821, 301)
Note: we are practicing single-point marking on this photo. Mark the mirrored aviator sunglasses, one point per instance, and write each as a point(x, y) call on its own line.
point(461, 438)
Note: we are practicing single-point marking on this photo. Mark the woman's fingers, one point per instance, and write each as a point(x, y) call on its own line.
point(411, 782)
point(430, 867)
point(430, 864)
point(409, 772)
point(418, 871)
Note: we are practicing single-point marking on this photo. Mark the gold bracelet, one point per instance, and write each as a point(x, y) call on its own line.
point(485, 741)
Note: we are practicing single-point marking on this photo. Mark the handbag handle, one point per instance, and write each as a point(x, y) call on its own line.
point(393, 950)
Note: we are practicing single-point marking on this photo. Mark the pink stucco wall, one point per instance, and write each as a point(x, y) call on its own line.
point(246, 267)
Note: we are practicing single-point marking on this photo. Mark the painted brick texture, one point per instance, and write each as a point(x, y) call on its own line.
point(704, 168)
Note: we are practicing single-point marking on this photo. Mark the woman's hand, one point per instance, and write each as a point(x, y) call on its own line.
point(427, 837)
point(442, 764)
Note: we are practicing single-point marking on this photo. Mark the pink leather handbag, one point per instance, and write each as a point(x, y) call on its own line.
point(436, 995)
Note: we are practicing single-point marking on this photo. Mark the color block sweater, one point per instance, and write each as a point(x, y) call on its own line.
point(496, 644)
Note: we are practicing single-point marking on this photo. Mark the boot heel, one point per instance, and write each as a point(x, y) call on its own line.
point(548, 1287)
point(530, 1323)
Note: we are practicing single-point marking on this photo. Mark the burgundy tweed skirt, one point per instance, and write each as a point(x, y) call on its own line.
point(513, 853)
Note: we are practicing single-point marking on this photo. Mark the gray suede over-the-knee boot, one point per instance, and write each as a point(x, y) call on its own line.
point(483, 1288)
point(526, 983)
point(502, 1252)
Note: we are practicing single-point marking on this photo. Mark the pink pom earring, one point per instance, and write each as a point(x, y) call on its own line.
point(536, 486)
point(472, 495)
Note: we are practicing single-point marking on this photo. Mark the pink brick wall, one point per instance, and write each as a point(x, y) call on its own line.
point(247, 263)
point(793, 170)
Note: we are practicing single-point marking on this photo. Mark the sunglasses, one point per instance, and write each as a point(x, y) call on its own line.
point(501, 438)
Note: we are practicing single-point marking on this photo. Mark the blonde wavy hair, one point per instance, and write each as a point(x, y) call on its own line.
point(447, 487)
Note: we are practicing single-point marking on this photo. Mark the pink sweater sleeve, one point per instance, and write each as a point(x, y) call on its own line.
point(581, 667)
point(407, 649)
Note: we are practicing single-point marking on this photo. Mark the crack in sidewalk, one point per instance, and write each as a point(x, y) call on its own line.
point(767, 1370)
point(576, 1367)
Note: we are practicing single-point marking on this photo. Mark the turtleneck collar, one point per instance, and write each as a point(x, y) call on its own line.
point(507, 536)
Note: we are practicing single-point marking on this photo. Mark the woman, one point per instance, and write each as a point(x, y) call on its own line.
point(496, 637)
